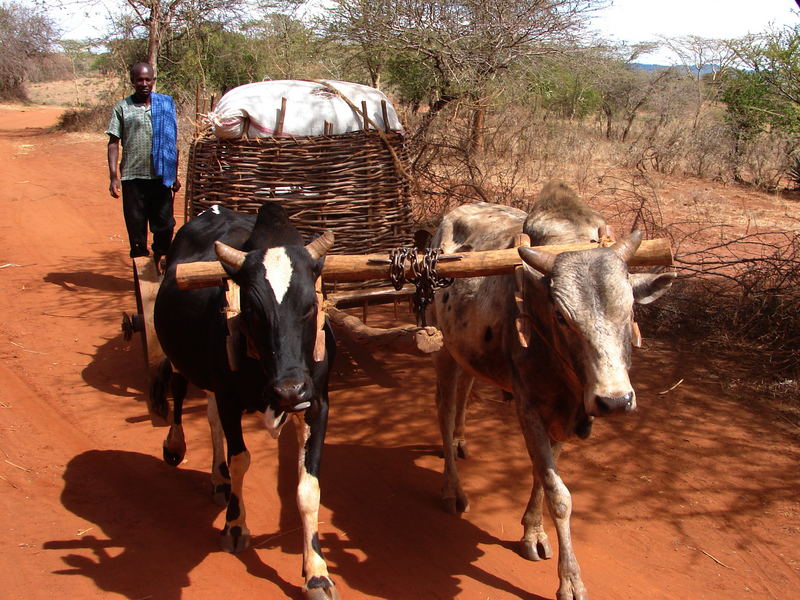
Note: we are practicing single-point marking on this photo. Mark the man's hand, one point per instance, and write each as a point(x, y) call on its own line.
point(176, 186)
point(114, 187)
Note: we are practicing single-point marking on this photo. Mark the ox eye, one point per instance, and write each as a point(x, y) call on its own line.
point(562, 320)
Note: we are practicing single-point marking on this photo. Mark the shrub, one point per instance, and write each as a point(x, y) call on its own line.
point(93, 118)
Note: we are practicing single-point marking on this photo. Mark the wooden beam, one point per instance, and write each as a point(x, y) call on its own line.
point(363, 267)
point(407, 339)
point(381, 295)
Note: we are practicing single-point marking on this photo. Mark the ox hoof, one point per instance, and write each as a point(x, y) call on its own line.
point(234, 540)
point(456, 506)
point(537, 549)
point(320, 588)
point(461, 449)
point(174, 446)
point(221, 493)
point(173, 458)
point(572, 590)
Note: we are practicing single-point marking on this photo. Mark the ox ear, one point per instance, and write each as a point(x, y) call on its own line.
point(541, 260)
point(650, 286)
point(231, 258)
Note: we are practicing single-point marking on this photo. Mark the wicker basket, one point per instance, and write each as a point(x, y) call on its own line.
point(353, 184)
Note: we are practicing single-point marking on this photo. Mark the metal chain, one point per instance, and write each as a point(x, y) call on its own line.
point(397, 269)
point(423, 276)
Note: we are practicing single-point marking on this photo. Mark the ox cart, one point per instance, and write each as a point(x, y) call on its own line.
point(354, 186)
point(354, 183)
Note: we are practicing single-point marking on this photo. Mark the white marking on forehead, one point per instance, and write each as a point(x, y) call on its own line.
point(279, 271)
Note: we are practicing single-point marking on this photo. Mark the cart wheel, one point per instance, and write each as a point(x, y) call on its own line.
point(146, 282)
point(131, 324)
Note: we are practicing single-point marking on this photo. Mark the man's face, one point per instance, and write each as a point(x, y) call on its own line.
point(142, 80)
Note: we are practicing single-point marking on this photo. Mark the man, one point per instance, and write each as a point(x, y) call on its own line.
point(146, 123)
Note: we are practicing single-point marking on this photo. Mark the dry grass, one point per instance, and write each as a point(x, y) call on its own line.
point(83, 91)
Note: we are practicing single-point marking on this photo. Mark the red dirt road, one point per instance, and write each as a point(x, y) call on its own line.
point(697, 496)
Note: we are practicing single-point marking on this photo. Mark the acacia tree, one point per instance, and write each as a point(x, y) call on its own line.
point(357, 25)
point(706, 61)
point(162, 23)
point(286, 47)
point(464, 45)
point(775, 56)
point(625, 92)
point(698, 55)
point(763, 98)
point(26, 34)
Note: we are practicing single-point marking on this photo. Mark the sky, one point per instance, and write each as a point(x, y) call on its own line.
point(77, 21)
point(626, 20)
point(643, 20)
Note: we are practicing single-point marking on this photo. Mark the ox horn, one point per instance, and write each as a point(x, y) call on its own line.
point(230, 256)
point(320, 246)
point(628, 246)
point(541, 260)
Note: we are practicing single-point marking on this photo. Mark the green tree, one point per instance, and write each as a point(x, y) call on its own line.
point(751, 107)
point(766, 91)
point(566, 84)
point(763, 97)
point(775, 56)
point(466, 46)
point(161, 24)
point(412, 78)
point(358, 26)
point(209, 56)
point(287, 48)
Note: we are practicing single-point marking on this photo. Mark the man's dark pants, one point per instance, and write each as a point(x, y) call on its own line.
point(143, 201)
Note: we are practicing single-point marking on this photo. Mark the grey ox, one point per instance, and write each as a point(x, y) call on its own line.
point(558, 338)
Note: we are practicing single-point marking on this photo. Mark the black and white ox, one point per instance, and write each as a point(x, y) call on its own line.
point(275, 369)
point(558, 338)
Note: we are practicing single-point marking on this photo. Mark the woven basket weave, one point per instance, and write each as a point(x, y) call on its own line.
point(349, 183)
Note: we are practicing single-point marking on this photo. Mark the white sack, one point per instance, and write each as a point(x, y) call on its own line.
point(308, 106)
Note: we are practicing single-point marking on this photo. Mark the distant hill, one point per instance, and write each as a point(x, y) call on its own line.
point(650, 67)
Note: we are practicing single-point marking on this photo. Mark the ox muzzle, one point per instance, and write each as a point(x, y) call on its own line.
point(293, 395)
point(608, 405)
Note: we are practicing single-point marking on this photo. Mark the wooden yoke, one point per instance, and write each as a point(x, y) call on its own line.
point(351, 267)
point(523, 320)
point(406, 339)
point(232, 317)
point(319, 344)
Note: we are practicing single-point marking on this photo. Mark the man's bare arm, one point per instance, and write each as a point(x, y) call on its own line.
point(113, 160)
